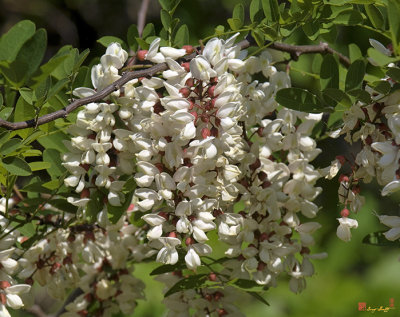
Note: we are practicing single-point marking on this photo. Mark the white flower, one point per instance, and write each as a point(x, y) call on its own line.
point(192, 259)
point(168, 254)
point(201, 68)
point(343, 230)
point(394, 223)
point(380, 47)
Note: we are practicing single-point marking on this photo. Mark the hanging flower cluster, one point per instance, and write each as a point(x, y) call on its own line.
point(374, 126)
point(199, 139)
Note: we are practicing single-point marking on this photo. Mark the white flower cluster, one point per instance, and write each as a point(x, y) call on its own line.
point(363, 125)
point(10, 289)
point(86, 257)
point(375, 127)
point(185, 137)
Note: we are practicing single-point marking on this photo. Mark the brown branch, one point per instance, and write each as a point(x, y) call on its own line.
point(142, 13)
point(294, 50)
point(83, 101)
point(321, 48)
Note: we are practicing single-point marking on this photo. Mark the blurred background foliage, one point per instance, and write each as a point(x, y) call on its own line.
point(353, 272)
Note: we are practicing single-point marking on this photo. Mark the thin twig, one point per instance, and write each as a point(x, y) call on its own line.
point(17, 192)
point(321, 48)
point(142, 16)
point(297, 50)
point(294, 50)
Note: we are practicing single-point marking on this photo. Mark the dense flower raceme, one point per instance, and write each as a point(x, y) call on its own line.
point(183, 136)
point(374, 126)
point(10, 289)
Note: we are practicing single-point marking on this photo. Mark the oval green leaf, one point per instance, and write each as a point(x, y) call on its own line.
point(16, 166)
point(299, 99)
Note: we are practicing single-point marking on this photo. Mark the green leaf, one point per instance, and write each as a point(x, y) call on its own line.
point(131, 37)
point(246, 285)
point(381, 86)
point(27, 61)
point(166, 268)
point(142, 43)
point(36, 187)
point(354, 52)
point(148, 30)
point(329, 75)
point(234, 24)
point(94, 205)
point(24, 111)
point(14, 39)
point(355, 75)
point(4, 136)
point(258, 297)
point(182, 36)
point(57, 87)
point(16, 166)
point(334, 96)
point(349, 17)
point(165, 19)
point(50, 66)
point(191, 282)
point(37, 166)
point(258, 36)
point(166, 4)
point(80, 59)
point(52, 185)
point(238, 13)
point(271, 10)
point(63, 204)
point(6, 112)
point(27, 94)
point(298, 99)
point(219, 29)
point(394, 23)
point(27, 230)
point(256, 14)
point(32, 137)
point(107, 40)
point(312, 29)
point(42, 90)
point(375, 16)
point(360, 94)
point(10, 146)
point(52, 157)
point(378, 239)
point(378, 58)
point(394, 73)
point(54, 141)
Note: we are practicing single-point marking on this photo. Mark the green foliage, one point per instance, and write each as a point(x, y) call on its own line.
point(299, 99)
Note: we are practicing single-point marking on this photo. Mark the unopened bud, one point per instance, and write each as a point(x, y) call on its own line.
point(141, 55)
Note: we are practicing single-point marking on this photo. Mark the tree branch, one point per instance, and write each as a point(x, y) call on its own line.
point(321, 48)
point(297, 50)
point(294, 50)
point(83, 101)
